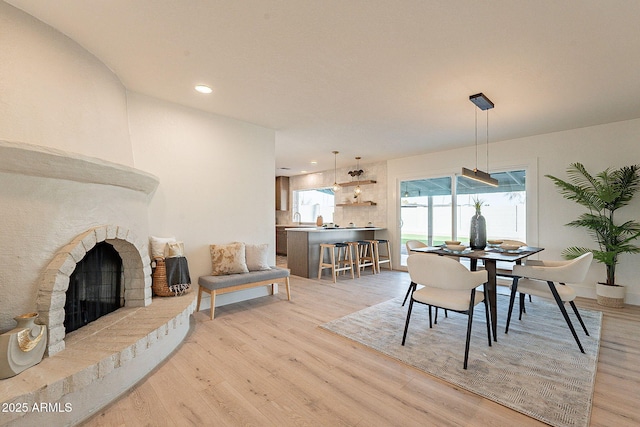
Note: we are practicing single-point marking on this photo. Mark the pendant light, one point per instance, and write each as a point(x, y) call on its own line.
point(336, 187)
point(485, 104)
point(357, 172)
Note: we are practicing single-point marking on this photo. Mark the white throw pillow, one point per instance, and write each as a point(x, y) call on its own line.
point(159, 246)
point(257, 256)
point(228, 259)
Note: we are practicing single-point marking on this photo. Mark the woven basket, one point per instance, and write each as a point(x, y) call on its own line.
point(610, 302)
point(159, 280)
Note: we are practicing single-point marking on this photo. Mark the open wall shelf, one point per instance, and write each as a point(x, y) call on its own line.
point(354, 183)
point(369, 203)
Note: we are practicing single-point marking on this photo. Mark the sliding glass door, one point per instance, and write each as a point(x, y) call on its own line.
point(425, 212)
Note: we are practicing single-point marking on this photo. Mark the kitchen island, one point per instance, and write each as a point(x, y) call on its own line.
point(303, 245)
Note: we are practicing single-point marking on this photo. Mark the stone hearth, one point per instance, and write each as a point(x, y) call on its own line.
point(101, 361)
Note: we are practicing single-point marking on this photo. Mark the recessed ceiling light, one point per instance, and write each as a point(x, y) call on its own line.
point(313, 162)
point(203, 89)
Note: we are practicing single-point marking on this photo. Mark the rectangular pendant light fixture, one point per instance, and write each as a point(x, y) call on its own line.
point(478, 175)
point(483, 103)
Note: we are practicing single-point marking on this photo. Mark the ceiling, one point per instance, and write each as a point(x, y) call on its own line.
point(376, 79)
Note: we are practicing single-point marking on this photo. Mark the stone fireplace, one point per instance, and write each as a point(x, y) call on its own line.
point(51, 294)
point(57, 206)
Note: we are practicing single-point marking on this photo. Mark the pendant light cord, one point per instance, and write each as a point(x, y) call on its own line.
point(487, 141)
point(476, 111)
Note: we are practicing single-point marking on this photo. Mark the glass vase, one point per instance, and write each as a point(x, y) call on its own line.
point(478, 231)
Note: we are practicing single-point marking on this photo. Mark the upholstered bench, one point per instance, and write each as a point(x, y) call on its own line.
point(217, 285)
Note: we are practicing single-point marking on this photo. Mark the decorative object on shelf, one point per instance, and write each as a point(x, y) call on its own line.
point(319, 221)
point(478, 231)
point(603, 194)
point(23, 346)
point(485, 104)
point(336, 187)
point(357, 172)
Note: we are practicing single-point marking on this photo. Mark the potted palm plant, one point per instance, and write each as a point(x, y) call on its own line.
point(602, 195)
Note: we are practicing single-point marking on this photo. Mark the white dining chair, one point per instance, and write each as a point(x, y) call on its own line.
point(539, 278)
point(449, 285)
point(412, 244)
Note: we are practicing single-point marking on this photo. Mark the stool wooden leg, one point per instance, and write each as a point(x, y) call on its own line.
point(350, 258)
point(355, 257)
point(333, 264)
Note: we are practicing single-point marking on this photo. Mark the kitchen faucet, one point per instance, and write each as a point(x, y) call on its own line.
point(296, 215)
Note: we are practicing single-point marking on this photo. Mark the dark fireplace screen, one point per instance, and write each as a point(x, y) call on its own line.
point(94, 287)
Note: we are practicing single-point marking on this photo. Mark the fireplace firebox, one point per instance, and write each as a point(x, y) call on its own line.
point(95, 287)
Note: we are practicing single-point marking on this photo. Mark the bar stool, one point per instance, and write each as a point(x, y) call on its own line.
point(337, 264)
point(366, 255)
point(382, 259)
point(355, 255)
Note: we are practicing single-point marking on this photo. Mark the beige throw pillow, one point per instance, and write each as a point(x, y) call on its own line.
point(175, 249)
point(159, 246)
point(228, 259)
point(257, 256)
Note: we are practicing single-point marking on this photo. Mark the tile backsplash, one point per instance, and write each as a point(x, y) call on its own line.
point(343, 215)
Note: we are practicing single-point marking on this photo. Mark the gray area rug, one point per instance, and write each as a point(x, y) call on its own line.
point(536, 369)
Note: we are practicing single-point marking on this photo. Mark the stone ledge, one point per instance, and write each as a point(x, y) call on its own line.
point(36, 160)
point(104, 358)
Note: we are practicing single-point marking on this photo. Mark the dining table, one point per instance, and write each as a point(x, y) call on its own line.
point(490, 256)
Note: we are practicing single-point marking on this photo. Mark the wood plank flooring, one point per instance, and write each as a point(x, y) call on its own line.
point(265, 362)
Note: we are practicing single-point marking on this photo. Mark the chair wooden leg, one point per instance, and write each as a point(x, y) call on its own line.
point(522, 310)
point(406, 325)
point(514, 287)
point(469, 323)
point(554, 291)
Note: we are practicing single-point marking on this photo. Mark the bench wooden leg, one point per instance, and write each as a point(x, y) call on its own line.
point(213, 303)
point(288, 289)
point(199, 298)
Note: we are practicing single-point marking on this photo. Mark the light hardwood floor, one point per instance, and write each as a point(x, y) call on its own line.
point(265, 362)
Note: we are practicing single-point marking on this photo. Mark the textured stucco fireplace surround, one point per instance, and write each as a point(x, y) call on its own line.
point(56, 206)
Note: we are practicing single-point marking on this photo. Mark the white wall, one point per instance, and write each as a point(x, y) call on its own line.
point(56, 94)
point(216, 178)
point(216, 174)
point(598, 147)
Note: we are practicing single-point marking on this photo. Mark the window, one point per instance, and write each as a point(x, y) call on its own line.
point(311, 203)
point(428, 214)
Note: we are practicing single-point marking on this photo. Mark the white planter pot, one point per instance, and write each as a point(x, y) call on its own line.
point(610, 296)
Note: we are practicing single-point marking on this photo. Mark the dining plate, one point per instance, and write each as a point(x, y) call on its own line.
point(466, 251)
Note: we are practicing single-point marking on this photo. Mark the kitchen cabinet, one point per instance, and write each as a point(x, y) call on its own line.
point(282, 193)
